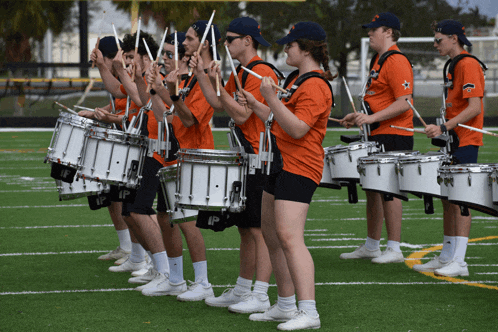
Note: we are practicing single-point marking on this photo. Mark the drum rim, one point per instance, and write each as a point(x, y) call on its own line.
point(467, 168)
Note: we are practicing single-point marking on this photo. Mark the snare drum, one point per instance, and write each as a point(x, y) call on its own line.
point(80, 188)
point(470, 185)
point(326, 181)
point(493, 178)
point(418, 174)
point(167, 177)
point(378, 172)
point(343, 159)
point(113, 157)
point(211, 180)
point(68, 139)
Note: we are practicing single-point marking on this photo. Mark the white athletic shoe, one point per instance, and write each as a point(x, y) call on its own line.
point(196, 292)
point(128, 266)
point(144, 278)
point(227, 298)
point(361, 252)
point(389, 256)
point(274, 314)
point(453, 269)
point(115, 254)
point(434, 264)
point(253, 303)
point(121, 260)
point(166, 288)
point(141, 272)
point(158, 278)
point(302, 321)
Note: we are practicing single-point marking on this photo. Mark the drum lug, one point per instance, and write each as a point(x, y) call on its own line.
point(419, 169)
point(439, 180)
point(378, 169)
point(470, 180)
point(349, 155)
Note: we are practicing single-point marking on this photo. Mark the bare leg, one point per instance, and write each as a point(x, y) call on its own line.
point(172, 238)
point(375, 214)
point(278, 261)
point(247, 254)
point(195, 241)
point(117, 219)
point(263, 263)
point(393, 211)
point(150, 232)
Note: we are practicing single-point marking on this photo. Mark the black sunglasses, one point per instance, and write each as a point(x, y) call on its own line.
point(169, 54)
point(438, 40)
point(230, 39)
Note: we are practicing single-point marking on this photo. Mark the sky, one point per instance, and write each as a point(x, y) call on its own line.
point(486, 7)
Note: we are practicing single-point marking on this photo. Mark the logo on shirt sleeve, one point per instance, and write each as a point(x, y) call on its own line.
point(406, 85)
point(469, 87)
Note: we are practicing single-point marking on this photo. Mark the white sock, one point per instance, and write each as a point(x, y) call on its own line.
point(261, 287)
point(372, 244)
point(309, 306)
point(242, 285)
point(394, 245)
point(124, 239)
point(161, 263)
point(447, 251)
point(137, 253)
point(201, 272)
point(460, 248)
point(150, 255)
point(287, 303)
point(176, 269)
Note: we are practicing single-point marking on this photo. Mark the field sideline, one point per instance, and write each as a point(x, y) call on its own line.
point(51, 280)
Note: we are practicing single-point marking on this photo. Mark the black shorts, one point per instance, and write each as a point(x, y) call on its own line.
point(290, 187)
point(146, 193)
point(465, 154)
point(393, 142)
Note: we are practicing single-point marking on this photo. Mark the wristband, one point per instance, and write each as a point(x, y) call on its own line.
point(443, 128)
point(152, 92)
point(174, 97)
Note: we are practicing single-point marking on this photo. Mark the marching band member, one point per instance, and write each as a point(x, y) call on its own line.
point(386, 95)
point(301, 124)
point(192, 114)
point(242, 39)
point(464, 100)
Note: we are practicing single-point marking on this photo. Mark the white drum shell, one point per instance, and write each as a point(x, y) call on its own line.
point(379, 175)
point(344, 159)
point(80, 188)
point(167, 176)
point(68, 139)
point(326, 181)
point(418, 174)
point(494, 184)
point(113, 157)
point(469, 185)
point(206, 178)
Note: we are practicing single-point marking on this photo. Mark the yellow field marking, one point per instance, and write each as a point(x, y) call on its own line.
point(415, 257)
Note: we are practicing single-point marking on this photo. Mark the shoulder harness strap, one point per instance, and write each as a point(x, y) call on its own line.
point(449, 68)
point(383, 58)
point(300, 81)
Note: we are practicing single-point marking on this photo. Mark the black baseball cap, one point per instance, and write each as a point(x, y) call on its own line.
point(107, 45)
point(384, 20)
point(247, 26)
point(304, 30)
point(452, 27)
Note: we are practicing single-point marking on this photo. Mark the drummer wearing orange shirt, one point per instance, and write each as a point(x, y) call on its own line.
point(464, 105)
point(301, 124)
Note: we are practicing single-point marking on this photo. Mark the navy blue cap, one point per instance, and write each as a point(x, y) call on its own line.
point(452, 27)
point(304, 30)
point(107, 45)
point(384, 20)
point(200, 27)
point(180, 36)
point(247, 26)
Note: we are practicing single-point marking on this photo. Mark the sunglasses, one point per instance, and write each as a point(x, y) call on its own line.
point(230, 39)
point(438, 40)
point(169, 54)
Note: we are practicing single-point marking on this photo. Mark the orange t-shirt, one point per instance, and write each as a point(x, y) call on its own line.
point(253, 125)
point(120, 105)
point(395, 80)
point(198, 136)
point(467, 83)
point(311, 103)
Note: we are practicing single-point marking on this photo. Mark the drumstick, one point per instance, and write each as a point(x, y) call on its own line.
point(478, 130)
point(203, 39)
point(235, 76)
point(66, 108)
point(98, 38)
point(350, 97)
point(85, 108)
point(409, 129)
point(137, 40)
point(334, 119)
point(416, 113)
point(161, 45)
point(151, 59)
point(117, 42)
point(215, 58)
point(261, 78)
point(176, 61)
